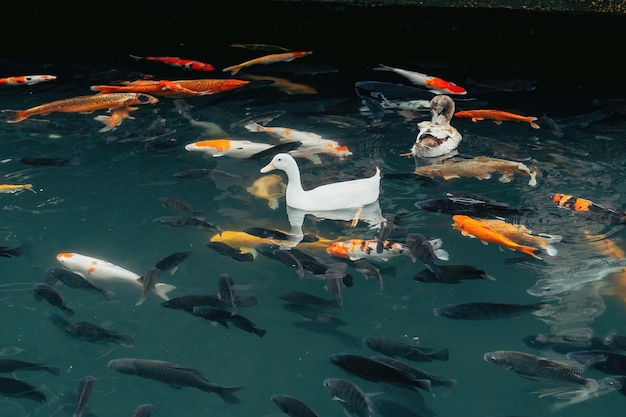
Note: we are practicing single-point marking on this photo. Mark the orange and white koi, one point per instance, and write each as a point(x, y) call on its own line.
point(480, 167)
point(227, 147)
point(498, 116)
point(471, 227)
point(81, 104)
point(355, 249)
point(188, 64)
point(267, 59)
point(15, 188)
point(312, 143)
point(173, 89)
point(583, 206)
point(522, 235)
point(26, 79)
point(99, 272)
point(434, 84)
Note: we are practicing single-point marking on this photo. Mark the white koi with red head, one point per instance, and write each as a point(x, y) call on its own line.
point(99, 272)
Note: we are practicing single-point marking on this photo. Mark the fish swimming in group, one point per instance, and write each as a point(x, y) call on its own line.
point(73, 280)
point(12, 365)
point(187, 223)
point(223, 317)
point(267, 59)
point(98, 271)
point(606, 361)
point(228, 147)
point(414, 372)
point(149, 280)
point(172, 89)
point(26, 79)
point(171, 262)
point(354, 401)
point(95, 334)
point(471, 227)
point(48, 161)
point(179, 206)
point(395, 348)
point(143, 410)
point(15, 388)
point(536, 367)
point(470, 205)
point(480, 167)
point(85, 390)
point(305, 298)
point(188, 302)
point(587, 208)
point(487, 311)
point(43, 291)
point(391, 91)
point(292, 406)
point(498, 116)
point(82, 104)
point(227, 250)
point(226, 290)
point(173, 375)
point(355, 249)
point(188, 64)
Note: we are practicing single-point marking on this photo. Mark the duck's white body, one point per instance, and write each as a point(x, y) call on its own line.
point(334, 196)
point(437, 137)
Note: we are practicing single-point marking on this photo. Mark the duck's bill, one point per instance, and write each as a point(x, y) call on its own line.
point(267, 168)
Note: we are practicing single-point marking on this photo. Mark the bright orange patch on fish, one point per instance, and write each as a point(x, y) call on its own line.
point(498, 116)
point(219, 144)
point(65, 255)
point(440, 84)
point(472, 227)
point(571, 202)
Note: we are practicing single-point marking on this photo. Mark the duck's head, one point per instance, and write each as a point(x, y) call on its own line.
point(282, 161)
point(441, 108)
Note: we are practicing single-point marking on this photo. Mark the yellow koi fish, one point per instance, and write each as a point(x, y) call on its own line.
point(12, 189)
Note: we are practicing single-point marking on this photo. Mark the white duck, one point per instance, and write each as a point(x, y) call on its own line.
point(339, 195)
point(437, 137)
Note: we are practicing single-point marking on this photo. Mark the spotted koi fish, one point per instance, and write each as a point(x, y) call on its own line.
point(586, 207)
point(355, 249)
point(27, 79)
point(471, 227)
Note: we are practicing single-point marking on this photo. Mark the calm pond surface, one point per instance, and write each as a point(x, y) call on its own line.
point(98, 194)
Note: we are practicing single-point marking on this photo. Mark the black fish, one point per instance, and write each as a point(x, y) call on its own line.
point(223, 317)
point(314, 314)
point(179, 206)
point(187, 223)
point(486, 311)
point(415, 372)
point(293, 407)
point(374, 107)
point(334, 284)
point(73, 280)
point(393, 348)
point(7, 252)
point(96, 334)
point(351, 397)
point(284, 147)
point(43, 161)
point(188, 302)
point(421, 248)
point(384, 231)
point(470, 205)
point(301, 297)
point(289, 259)
point(605, 361)
point(266, 233)
point(173, 375)
point(226, 250)
point(12, 365)
point(52, 296)
point(143, 410)
point(85, 390)
point(376, 371)
point(450, 274)
point(148, 281)
point(171, 262)
point(18, 389)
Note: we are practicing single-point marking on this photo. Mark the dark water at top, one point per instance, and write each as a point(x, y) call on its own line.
point(104, 202)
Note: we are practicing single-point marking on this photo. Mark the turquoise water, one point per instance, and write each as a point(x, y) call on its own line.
point(103, 204)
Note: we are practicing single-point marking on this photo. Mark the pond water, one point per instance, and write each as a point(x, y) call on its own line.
point(98, 194)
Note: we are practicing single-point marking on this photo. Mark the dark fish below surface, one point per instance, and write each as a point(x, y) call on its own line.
point(96, 334)
point(171, 262)
point(393, 348)
point(292, 406)
point(305, 298)
point(186, 223)
point(143, 410)
point(11, 387)
point(43, 291)
point(354, 401)
point(226, 250)
point(188, 302)
point(7, 252)
point(224, 317)
point(451, 274)
point(174, 375)
point(73, 280)
point(470, 205)
point(487, 311)
point(605, 361)
point(180, 206)
point(12, 365)
point(85, 390)
point(44, 161)
point(415, 372)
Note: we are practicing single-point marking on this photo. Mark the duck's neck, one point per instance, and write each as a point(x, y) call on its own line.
point(294, 183)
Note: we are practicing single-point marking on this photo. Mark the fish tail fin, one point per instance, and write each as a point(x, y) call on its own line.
point(448, 383)
point(437, 270)
point(126, 340)
point(528, 250)
point(259, 332)
point(68, 311)
point(52, 369)
point(13, 252)
point(441, 355)
point(382, 67)
point(162, 290)
point(109, 122)
point(135, 57)
point(14, 116)
point(103, 89)
point(532, 123)
point(551, 250)
point(228, 394)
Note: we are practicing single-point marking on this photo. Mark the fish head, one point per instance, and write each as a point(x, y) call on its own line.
point(339, 250)
point(66, 258)
point(211, 147)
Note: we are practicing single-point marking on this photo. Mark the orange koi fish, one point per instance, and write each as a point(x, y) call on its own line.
point(471, 227)
point(480, 167)
point(498, 116)
point(115, 119)
point(583, 206)
point(521, 234)
point(12, 189)
point(27, 79)
point(81, 104)
point(172, 89)
point(267, 59)
point(188, 64)
point(434, 84)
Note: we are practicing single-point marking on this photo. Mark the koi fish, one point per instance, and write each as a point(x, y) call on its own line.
point(480, 167)
point(498, 116)
point(15, 188)
point(82, 104)
point(99, 272)
point(521, 234)
point(355, 249)
point(27, 79)
point(471, 227)
point(434, 84)
point(259, 47)
point(227, 147)
point(188, 64)
point(115, 119)
point(243, 240)
point(173, 89)
point(283, 84)
point(586, 207)
point(267, 59)
point(268, 187)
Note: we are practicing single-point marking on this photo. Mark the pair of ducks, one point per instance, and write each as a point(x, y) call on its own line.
point(436, 138)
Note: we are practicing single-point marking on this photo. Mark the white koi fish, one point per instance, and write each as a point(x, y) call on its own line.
point(99, 272)
point(355, 249)
point(434, 84)
point(228, 147)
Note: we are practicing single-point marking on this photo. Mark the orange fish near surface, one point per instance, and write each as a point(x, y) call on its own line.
point(188, 64)
point(498, 116)
point(81, 104)
point(267, 59)
point(173, 89)
point(27, 79)
point(469, 226)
